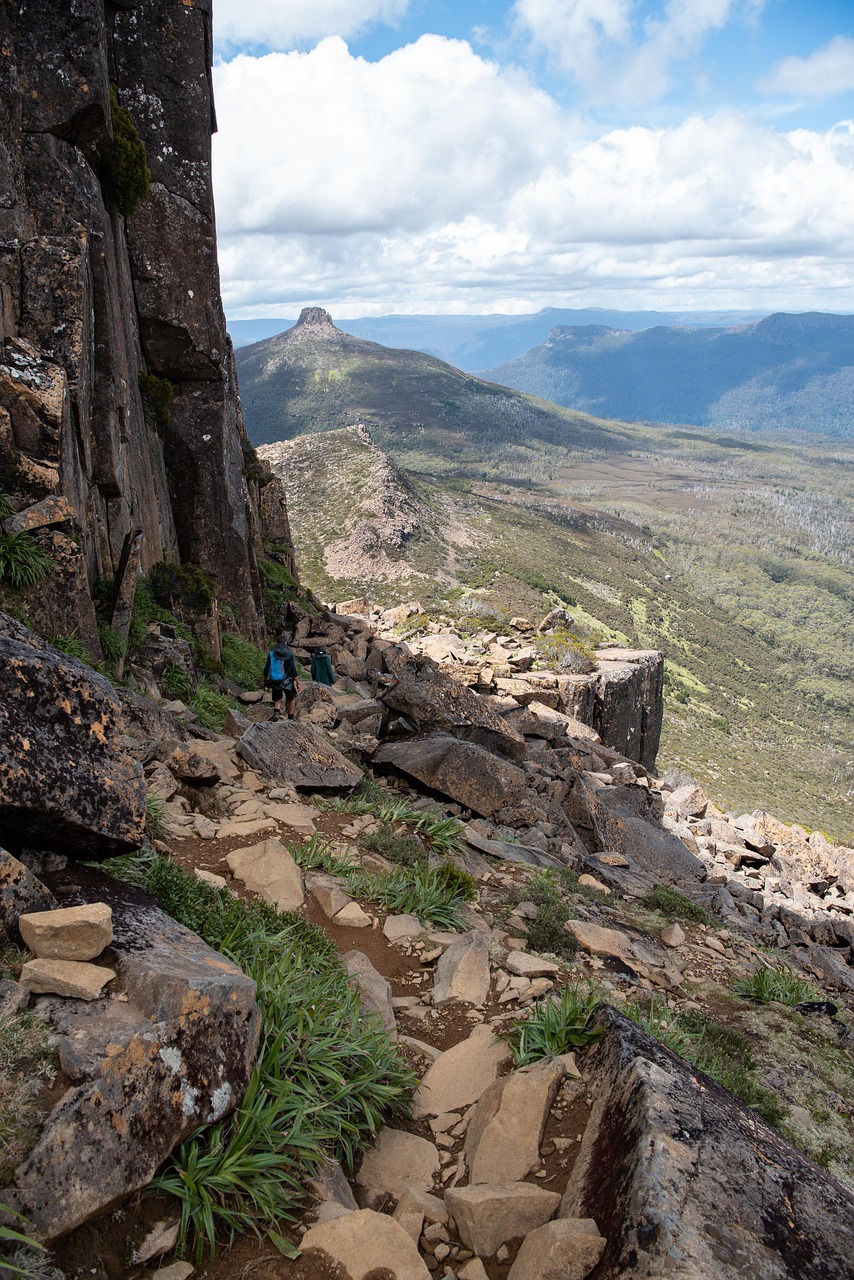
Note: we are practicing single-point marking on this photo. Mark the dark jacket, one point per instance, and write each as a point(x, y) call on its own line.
point(288, 663)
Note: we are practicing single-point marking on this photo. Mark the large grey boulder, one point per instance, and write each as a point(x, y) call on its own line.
point(626, 819)
point(462, 771)
point(296, 755)
point(433, 701)
point(65, 782)
point(146, 1071)
point(683, 1180)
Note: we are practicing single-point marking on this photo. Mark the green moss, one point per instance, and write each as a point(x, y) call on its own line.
point(675, 905)
point(159, 392)
point(128, 177)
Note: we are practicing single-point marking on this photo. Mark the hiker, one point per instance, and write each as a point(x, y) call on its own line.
point(280, 677)
point(321, 668)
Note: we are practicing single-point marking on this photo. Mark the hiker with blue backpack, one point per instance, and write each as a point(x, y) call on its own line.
point(280, 677)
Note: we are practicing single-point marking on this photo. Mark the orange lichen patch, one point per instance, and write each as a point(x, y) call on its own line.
point(97, 729)
point(119, 1123)
point(195, 1003)
point(65, 706)
point(217, 962)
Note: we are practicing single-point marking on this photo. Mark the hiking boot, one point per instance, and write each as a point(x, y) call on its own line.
point(277, 715)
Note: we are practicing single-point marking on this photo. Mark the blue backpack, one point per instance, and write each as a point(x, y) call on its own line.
point(277, 668)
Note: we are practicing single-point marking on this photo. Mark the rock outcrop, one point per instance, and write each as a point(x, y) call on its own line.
point(119, 418)
point(65, 781)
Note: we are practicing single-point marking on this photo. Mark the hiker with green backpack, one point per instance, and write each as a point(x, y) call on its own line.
point(280, 677)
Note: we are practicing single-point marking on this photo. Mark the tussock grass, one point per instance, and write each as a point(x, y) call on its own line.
point(674, 905)
point(556, 1025)
point(777, 982)
point(327, 1075)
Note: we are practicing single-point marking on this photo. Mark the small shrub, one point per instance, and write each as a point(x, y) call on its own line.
point(209, 707)
point(565, 651)
point(546, 932)
point(778, 983)
point(23, 563)
point(159, 392)
point(126, 164)
point(183, 586)
point(389, 843)
point(556, 1026)
point(674, 905)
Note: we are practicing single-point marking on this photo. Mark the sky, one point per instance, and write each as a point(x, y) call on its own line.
point(478, 156)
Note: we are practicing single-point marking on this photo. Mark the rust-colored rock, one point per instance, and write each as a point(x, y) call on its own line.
point(65, 782)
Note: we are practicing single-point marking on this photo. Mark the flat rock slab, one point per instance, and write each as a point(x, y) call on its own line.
point(65, 781)
point(366, 1242)
point(374, 990)
point(626, 822)
point(461, 1074)
point(398, 1161)
point(70, 978)
point(68, 933)
point(433, 701)
point(489, 1216)
point(402, 928)
point(685, 1180)
point(599, 941)
point(460, 770)
point(503, 1137)
point(297, 816)
point(567, 1249)
point(295, 755)
point(177, 1056)
point(463, 971)
point(269, 870)
point(525, 965)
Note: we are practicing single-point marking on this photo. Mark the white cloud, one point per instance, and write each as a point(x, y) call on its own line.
point(613, 51)
point(436, 180)
point(821, 74)
point(281, 24)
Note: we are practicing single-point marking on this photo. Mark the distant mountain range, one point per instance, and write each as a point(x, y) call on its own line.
point(475, 342)
point(315, 377)
point(785, 372)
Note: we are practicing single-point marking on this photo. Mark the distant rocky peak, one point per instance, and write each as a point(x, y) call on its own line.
point(315, 318)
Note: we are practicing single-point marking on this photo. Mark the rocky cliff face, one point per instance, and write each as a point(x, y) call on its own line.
point(90, 300)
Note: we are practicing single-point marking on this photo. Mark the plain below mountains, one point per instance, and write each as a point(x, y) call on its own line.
point(786, 372)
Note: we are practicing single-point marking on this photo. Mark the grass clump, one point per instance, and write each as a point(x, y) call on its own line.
point(72, 646)
point(779, 983)
point(674, 905)
point(556, 1026)
point(209, 707)
point(26, 1063)
point(23, 562)
point(175, 682)
point(327, 1077)
point(181, 586)
point(155, 817)
point(721, 1052)
point(546, 932)
point(242, 661)
point(126, 164)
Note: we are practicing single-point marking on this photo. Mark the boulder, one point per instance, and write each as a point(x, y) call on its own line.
point(374, 990)
point(221, 754)
point(352, 916)
point(504, 1134)
point(685, 1180)
point(364, 1243)
point(490, 1215)
point(626, 821)
point(399, 1160)
point(600, 941)
point(460, 770)
point(461, 1074)
point(69, 933)
point(435, 703)
point(20, 891)
point(193, 767)
point(176, 1055)
point(70, 978)
point(524, 965)
point(462, 972)
point(327, 893)
point(269, 870)
point(688, 801)
point(673, 935)
point(295, 755)
point(402, 928)
point(567, 1249)
point(65, 782)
